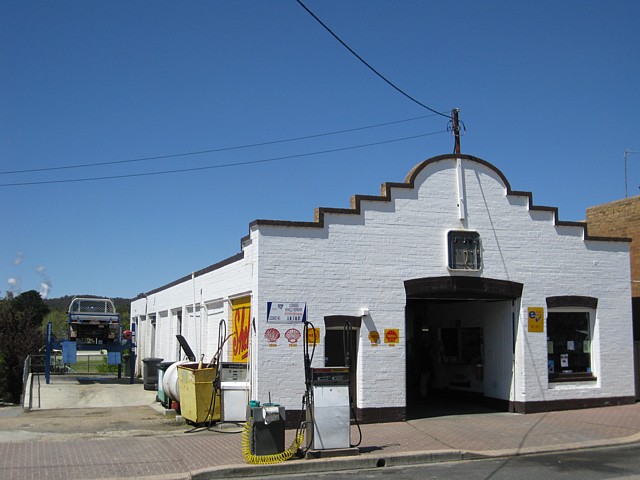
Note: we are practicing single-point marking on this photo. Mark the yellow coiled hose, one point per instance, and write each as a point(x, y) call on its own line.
point(267, 459)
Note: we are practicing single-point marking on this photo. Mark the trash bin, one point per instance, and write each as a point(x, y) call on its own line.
point(150, 372)
point(163, 396)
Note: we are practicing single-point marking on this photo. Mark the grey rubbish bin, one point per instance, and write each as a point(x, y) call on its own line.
point(162, 396)
point(150, 372)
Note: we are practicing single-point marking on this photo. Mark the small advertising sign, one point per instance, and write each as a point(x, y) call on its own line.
point(391, 336)
point(313, 336)
point(286, 312)
point(536, 319)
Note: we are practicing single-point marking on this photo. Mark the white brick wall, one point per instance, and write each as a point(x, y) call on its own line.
point(362, 260)
point(215, 287)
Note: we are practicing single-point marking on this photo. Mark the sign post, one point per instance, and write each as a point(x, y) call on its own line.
point(47, 360)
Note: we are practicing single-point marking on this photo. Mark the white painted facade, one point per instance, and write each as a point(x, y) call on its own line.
point(355, 262)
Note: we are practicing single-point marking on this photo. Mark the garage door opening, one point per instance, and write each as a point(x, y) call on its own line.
point(460, 345)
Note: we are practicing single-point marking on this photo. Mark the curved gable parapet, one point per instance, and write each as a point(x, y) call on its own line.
point(410, 183)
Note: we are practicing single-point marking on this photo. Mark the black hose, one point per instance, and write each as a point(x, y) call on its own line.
point(308, 396)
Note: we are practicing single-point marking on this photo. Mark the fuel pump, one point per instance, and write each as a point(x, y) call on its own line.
point(328, 401)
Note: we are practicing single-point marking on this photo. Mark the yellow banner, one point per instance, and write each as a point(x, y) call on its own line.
point(241, 315)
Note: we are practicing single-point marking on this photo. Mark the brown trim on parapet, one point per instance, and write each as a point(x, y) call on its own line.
point(211, 268)
point(385, 196)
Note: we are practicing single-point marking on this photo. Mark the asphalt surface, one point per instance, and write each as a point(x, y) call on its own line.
point(94, 429)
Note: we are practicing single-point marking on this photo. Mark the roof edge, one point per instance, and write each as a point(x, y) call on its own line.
point(385, 196)
point(210, 268)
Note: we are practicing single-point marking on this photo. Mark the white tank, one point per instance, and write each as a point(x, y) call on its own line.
point(170, 381)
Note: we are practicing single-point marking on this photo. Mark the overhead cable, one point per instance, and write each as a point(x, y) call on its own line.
point(211, 167)
point(213, 150)
point(389, 82)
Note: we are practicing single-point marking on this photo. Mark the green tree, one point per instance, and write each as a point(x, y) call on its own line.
point(59, 324)
point(21, 318)
point(125, 320)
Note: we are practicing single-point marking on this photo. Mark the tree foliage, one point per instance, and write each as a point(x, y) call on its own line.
point(21, 334)
point(59, 324)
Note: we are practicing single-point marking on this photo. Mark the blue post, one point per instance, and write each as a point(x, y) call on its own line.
point(120, 352)
point(47, 359)
point(132, 352)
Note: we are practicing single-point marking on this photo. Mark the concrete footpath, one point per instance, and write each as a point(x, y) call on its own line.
point(208, 454)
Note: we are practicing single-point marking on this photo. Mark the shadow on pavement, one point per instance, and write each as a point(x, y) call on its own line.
point(444, 406)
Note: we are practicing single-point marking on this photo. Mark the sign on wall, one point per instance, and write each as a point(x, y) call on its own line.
point(274, 336)
point(241, 315)
point(313, 336)
point(535, 316)
point(286, 312)
point(391, 336)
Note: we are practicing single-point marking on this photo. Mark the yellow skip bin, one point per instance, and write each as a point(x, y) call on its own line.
point(197, 403)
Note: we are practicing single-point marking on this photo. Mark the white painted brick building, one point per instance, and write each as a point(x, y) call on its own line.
point(472, 290)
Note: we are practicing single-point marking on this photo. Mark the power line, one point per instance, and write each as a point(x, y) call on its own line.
point(213, 150)
point(211, 167)
point(389, 82)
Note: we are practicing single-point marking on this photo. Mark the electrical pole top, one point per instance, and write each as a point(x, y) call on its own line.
point(455, 126)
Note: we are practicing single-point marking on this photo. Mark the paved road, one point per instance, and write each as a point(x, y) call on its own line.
point(105, 442)
point(619, 463)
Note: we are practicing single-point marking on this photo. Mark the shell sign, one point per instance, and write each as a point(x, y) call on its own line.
point(272, 335)
point(241, 314)
point(391, 336)
point(313, 336)
point(292, 335)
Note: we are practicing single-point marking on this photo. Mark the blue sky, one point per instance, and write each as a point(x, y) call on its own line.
point(548, 92)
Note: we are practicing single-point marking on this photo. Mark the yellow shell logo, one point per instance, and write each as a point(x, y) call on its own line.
point(374, 337)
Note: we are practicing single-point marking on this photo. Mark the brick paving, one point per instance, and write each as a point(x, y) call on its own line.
point(178, 456)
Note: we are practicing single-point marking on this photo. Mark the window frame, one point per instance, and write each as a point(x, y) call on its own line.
point(564, 377)
point(452, 237)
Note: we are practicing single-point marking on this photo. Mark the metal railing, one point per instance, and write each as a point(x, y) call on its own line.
point(34, 365)
point(90, 364)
